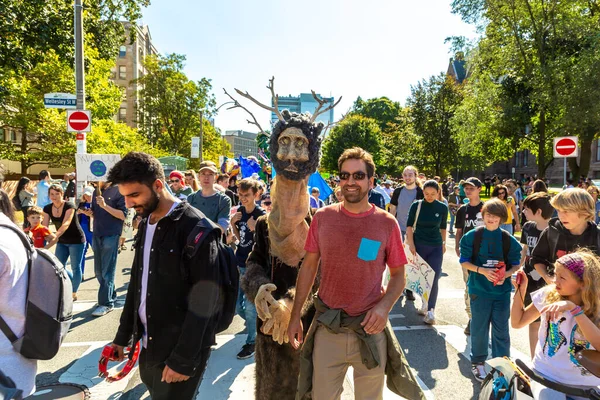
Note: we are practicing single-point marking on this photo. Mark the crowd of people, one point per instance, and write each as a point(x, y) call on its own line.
point(543, 247)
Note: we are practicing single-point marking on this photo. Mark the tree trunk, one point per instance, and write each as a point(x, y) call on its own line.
point(541, 158)
point(23, 145)
point(585, 157)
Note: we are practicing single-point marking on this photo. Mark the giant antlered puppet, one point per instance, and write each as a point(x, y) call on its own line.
point(273, 265)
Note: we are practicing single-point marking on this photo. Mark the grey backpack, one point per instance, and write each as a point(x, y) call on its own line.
point(49, 304)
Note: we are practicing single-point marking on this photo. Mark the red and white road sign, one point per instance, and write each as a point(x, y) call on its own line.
point(565, 146)
point(80, 136)
point(79, 121)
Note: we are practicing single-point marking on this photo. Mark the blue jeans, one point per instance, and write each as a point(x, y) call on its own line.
point(88, 243)
point(247, 311)
point(105, 265)
point(486, 311)
point(433, 255)
point(75, 251)
point(507, 227)
point(452, 217)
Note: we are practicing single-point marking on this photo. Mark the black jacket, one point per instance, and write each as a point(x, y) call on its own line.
point(182, 294)
point(556, 240)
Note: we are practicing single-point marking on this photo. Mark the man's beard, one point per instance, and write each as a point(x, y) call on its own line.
point(354, 197)
point(150, 206)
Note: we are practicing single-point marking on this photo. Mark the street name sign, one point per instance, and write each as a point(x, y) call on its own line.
point(79, 121)
point(60, 100)
point(565, 146)
point(94, 167)
point(195, 153)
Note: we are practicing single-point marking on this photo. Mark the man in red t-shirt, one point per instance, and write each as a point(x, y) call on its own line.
point(354, 240)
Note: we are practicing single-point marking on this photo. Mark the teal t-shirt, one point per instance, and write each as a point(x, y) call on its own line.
point(490, 253)
point(432, 217)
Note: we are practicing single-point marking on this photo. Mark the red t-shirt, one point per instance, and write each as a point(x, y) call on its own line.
point(354, 250)
point(39, 234)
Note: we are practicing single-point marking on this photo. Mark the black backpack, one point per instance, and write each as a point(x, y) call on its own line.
point(17, 203)
point(49, 304)
point(506, 241)
point(229, 276)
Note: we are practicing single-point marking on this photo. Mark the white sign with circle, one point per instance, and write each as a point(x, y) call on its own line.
point(94, 167)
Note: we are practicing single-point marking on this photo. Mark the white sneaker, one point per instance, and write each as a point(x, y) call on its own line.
point(429, 318)
point(423, 309)
point(101, 310)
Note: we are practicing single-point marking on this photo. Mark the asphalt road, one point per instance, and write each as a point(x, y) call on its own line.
point(438, 354)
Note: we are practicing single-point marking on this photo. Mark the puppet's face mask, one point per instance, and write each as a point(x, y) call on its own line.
point(293, 148)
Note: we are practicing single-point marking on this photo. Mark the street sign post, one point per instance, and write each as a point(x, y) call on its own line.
point(566, 147)
point(60, 100)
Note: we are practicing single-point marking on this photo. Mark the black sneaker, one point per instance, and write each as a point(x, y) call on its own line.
point(246, 352)
point(410, 295)
point(468, 328)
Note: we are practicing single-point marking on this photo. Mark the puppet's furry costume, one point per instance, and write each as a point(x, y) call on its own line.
point(279, 248)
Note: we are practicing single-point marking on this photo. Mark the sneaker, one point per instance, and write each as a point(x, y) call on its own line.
point(429, 318)
point(478, 371)
point(246, 352)
point(423, 309)
point(410, 295)
point(468, 328)
point(101, 310)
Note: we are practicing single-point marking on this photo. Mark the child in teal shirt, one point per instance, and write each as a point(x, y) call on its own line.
point(489, 290)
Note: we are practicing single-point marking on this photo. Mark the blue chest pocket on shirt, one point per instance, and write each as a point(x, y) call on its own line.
point(368, 249)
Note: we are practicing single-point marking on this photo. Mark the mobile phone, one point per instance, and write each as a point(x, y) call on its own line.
point(517, 277)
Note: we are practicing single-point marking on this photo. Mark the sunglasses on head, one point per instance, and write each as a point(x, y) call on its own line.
point(358, 176)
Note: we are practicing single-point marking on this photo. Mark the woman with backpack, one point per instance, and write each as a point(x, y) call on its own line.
point(24, 198)
point(426, 235)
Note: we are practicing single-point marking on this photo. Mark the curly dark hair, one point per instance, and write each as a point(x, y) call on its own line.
point(136, 167)
point(312, 131)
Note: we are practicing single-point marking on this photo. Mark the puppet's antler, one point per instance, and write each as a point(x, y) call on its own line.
point(274, 96)
point(236, 104)
point(322, 102)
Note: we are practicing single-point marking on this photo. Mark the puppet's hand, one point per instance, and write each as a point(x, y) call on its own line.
point(278, 324)
point(265, 302)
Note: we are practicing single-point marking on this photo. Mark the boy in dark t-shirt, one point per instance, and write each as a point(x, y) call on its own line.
point(468, 217)
point(537, 210)
point(243, 224)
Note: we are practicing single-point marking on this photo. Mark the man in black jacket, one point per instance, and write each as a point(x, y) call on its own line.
point(171, 300)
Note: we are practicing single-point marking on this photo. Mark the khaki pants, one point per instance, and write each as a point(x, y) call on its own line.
point(332, 355)
point(467, 298)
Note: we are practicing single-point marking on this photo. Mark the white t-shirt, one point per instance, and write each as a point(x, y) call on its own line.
point(558, 341)
point(13, 292)
point(146, 262)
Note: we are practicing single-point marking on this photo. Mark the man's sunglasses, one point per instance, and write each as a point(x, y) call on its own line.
point(174, 181)
point(358, 176)
point(267, 203)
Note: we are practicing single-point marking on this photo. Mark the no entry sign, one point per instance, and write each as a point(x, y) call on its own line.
point(565, 146)
point(79, 121)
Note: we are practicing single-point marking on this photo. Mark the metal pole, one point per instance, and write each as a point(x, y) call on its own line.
point(565, 172)
point(201, 135)
point(79, 81)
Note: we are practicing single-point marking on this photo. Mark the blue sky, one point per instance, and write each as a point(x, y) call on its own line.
point(346, 48)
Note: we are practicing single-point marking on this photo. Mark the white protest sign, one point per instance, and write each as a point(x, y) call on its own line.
point(94, 167)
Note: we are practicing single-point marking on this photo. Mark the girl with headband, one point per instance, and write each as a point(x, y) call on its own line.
point(569, 311)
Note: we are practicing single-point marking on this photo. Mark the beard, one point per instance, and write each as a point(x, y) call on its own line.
point(354, 197)
point(150, 206)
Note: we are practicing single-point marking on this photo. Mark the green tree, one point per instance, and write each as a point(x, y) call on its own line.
point(525, 45)
point(381, 109)
point(171, 104)
point(44, 139)
point(354, 130)
point(432, 105)
point(110, 137)
point(401, 146)
point(30, 29)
